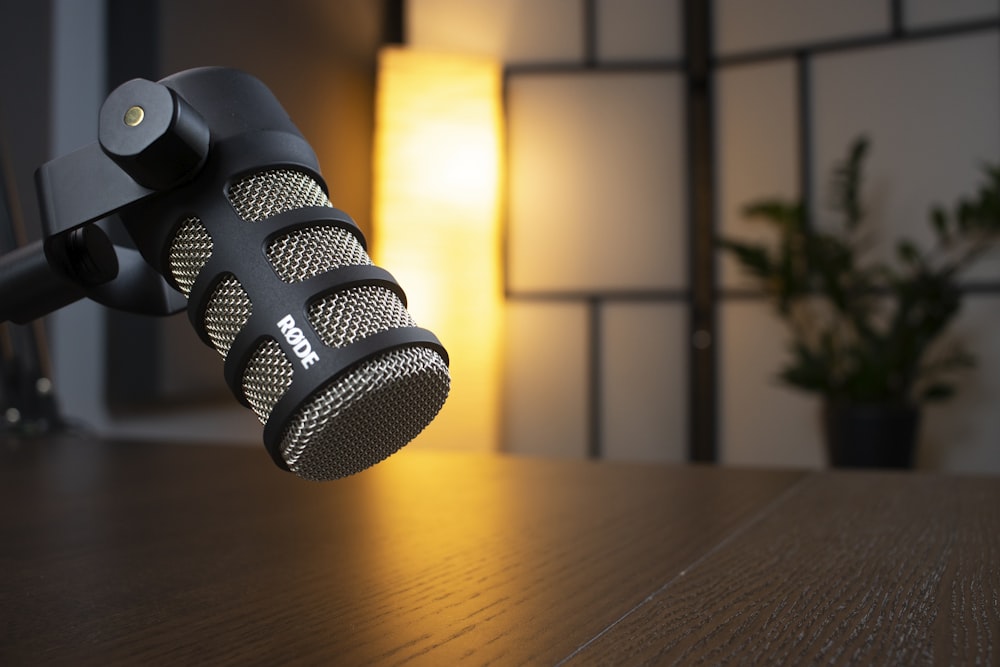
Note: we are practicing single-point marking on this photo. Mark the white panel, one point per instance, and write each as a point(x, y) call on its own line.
point(639, 30)
point(514, 31)
point(930, 109)
point(963, 434)
point(645, 382)
point(596, 181)
point(763, 422)
point(756, 125)
point(545, 393)
point(932, 13)
point(767, 24)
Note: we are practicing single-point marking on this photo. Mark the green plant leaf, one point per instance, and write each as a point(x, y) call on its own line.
point(938, 391)
point(753, 258)
point(785, 215)
point(908, 252)
point(847, 184)
point(939, 221)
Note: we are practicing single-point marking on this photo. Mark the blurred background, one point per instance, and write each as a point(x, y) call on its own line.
point(588, 314)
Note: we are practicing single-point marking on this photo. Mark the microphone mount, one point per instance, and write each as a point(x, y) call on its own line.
point(150, 141)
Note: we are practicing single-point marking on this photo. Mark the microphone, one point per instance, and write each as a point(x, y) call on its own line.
point(358, 417)
point(228, 205)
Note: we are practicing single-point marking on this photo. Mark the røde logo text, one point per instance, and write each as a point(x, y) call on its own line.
point(300, 344)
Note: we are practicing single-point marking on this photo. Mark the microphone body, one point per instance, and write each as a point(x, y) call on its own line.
point(316, 339)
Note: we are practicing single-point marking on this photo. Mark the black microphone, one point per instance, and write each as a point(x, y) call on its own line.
point(359, 415)
point(235, 214)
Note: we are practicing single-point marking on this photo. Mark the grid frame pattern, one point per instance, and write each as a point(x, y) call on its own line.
point(707, 291)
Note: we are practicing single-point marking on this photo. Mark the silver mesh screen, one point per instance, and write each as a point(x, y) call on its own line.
point(269, 193)
point(352, 314)
point(190, 249)
point(227, 312)
point(266, 378)
point(304, 253)
point(367, 414)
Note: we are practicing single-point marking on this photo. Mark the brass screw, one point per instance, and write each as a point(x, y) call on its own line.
point(134, 116)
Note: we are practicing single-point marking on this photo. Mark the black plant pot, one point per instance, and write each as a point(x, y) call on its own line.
point(870, 435)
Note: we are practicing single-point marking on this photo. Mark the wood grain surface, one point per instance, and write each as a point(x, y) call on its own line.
point(860, 568)
point(129, 553)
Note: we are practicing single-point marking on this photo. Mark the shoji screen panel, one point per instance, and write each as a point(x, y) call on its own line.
point(643, 370)
point(757, 128)
point(764, 423)
point(762, 25)
point(597, 224)
point(516, 31)
point(931, 14)
point(546, 392)
point(962, 434)
point(596, 182)
point(638, 30)
point(757, 124)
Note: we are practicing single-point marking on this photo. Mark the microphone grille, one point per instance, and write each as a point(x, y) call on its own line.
point(190, 249)
point(348, 316)
point(359, 417)
point(229, 306)
point(308, 252)
point(367, 414)
point(268, 193)
point(266, 378)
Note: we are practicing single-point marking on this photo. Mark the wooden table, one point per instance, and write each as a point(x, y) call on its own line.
point(136, 554)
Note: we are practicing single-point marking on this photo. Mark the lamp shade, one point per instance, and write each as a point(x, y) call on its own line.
point(436, 220)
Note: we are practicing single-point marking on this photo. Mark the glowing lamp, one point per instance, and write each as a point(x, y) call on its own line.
point(436, 219)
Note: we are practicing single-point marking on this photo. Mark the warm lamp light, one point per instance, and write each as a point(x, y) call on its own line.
point(436, 219)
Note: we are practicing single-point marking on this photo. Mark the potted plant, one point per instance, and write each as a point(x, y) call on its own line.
point(863, 329)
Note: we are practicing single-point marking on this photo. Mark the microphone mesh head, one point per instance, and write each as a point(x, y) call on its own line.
point(266, 378)
point(361, 416)
point(228, 310)
point(367, 414)
point(190, 248)
point(344, 317)
point(308, 252)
